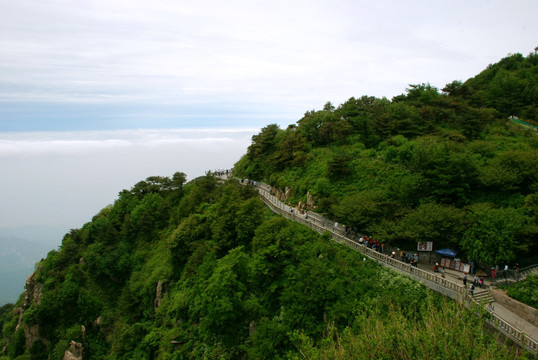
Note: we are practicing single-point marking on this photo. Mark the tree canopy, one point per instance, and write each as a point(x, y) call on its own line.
point(421, 166)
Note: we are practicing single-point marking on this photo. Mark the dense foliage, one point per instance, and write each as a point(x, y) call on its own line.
point(205, 270)
point(235, 281)
point(444, 166)
point(525, 291)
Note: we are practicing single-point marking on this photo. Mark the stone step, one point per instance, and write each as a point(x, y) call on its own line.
point(483, 297)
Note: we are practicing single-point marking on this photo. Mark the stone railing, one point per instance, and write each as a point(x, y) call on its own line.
point(438, 283)
point(320, 224)
point(514, 333)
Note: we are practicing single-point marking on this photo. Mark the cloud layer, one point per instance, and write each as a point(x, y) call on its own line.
point(64, 178)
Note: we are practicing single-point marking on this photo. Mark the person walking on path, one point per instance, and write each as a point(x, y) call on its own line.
point(464, 279)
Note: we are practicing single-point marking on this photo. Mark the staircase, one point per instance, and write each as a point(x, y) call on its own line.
point(483, 297)
point(528, 271)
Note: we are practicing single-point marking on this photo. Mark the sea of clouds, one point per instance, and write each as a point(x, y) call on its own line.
point(64, 178)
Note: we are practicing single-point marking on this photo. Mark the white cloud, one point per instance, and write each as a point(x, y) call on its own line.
point(292, 55)
point(99, 64)
point(65, 178)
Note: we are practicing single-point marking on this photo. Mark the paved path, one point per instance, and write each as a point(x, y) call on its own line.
point(500, 310)
point(504, 320)
point(518, 322)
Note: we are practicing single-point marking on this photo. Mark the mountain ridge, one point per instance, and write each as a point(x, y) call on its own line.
point(176, 270)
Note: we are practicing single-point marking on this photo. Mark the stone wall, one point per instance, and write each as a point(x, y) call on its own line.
point(523, 311)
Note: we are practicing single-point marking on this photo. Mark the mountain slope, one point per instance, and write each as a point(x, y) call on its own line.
point(447, 167)
point(207, 271)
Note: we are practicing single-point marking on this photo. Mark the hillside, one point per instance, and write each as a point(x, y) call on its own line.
point(207, 271)
point(203, 270)
point(444, 166)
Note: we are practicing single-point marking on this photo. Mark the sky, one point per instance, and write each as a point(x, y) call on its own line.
point(96, 95)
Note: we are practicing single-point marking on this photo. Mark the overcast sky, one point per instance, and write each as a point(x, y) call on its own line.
point(90, 89)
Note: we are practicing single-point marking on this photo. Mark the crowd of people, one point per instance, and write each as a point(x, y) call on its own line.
point(222, 173)
point(406, 257)
point(369, 242)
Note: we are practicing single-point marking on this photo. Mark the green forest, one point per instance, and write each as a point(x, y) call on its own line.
point(204, 270)
point(237, 282)
point(448, 166)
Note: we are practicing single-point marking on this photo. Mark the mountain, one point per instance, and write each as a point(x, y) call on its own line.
point(17, 260)
point(202, 270)
point(449, 166)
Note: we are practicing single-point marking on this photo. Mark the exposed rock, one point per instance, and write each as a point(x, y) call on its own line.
point(98, 321)
point(287, 192)
point(282, 196)
point(276, 192)
point(309, 201)
point(32, 292)
point(18, 311)
point(251, 328)
point(158, 295)
point(31, 333)
point(75, 352)
point(32, 295)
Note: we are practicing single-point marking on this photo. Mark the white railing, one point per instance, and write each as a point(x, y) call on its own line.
point(320, 224)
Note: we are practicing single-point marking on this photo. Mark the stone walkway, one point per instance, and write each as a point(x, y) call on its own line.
point(503, 312)
point(505, 320)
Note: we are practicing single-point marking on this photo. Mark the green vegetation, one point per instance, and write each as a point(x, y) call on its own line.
point(236, 281)
point(205, 270)
point(380, 335)
point(525, 291)
point(6, 311)
point(444, 166)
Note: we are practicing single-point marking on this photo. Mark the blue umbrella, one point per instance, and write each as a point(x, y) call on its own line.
point(447, 252)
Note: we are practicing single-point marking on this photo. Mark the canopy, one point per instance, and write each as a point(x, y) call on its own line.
point(447, 252)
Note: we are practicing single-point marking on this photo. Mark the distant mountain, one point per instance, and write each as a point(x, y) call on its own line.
point(17, 259)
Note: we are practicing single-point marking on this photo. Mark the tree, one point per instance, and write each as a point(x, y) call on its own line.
point(264, 142)
point(492, 237)
point(150, 214)
point(192, 229)
point(442, 224)
point(222, 307)
point(363, 208)
point(456, 89)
